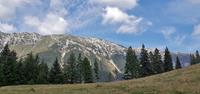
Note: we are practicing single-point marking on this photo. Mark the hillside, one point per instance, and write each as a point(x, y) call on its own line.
point(111, 56)
point(183, 81)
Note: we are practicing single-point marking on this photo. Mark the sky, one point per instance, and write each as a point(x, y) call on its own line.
point(155, 23)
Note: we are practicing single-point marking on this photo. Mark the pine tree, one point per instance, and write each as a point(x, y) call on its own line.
point(87, 71)
point(1, 73)
point(146, 69)
point(132, 65)
point(151, 60)
point(178, 64)
point(20, 77)
point(96, 69)
point(31, 68)
point(56, 74)
point(197, 60)
point(43, 73)
point(72, 70)
point(192, 59)
point(79, 68)
point(168, 64)
point(157, 62)
point(110, 77)
point(8, 63)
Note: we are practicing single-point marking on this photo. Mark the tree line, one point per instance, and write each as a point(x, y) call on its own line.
point(150, 63)
point(32, 70)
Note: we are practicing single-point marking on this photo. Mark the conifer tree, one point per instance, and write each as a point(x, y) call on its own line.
point(146, 69)
point(192, 59)
point(157, 62)
point(31, 68)
point(72, 70)
point(132, 65)
point(168, 64)
point(8, 64)
point(178, 63)
point(56, 74)
point(20, 73)
point(79, 68)
point(96, 69)
point(43, 73)
point(66, 74)
point(151, 60)
point(87, 71)
point(197, 60)
point(1, 73)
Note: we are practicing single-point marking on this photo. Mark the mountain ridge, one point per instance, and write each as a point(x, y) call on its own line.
point(111, 56)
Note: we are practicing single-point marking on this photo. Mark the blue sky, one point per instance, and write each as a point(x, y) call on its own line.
point(156, 23)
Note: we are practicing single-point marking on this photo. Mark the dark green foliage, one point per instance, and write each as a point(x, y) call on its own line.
point(146, 69)
point(96, 70)
point(192, 59)
point(72, 70)
point(151, 60)
point(87, 71)
point(195, 59)
point(8, 63)
point(20, 73)
point(168, 64)
point(157, 62)
point(132, 65)
point(178, 63)
point(43, 73)
point(31, 64)
point(79, 69)
point(1, 74)
point(56, 74)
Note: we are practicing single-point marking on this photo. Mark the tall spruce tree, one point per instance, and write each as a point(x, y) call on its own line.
point(96, 70)
point(43, 73)
point(1, 73)
point(31, 68)
point(146, 69)
point(178, 63)
point(192, 59)
point(157, 62)
point(168, 63)
point(132, 65)
point(79, 69)
point(72, 69)
point(8, 61)
point(197, 60)
point(56, 74)
point(87, 71)
point(151, 60)
point(20, 78)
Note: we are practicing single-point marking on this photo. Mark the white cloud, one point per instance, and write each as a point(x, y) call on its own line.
point(8, 7)
point(32, 21)
point(122, 4)
point(58, 7)
point(7, 28)
point(196, 31)
point(168, 31)
point(170, 35)
point(51, 24)
point(134, 26)
point(128, 23)
point(114, 15)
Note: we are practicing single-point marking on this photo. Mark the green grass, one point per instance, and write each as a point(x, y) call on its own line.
point(183, 81)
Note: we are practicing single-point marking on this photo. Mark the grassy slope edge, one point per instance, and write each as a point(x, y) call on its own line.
point(183, 81)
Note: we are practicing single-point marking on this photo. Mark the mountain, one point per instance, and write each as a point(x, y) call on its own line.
point(182, 81)
point(111, 56)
